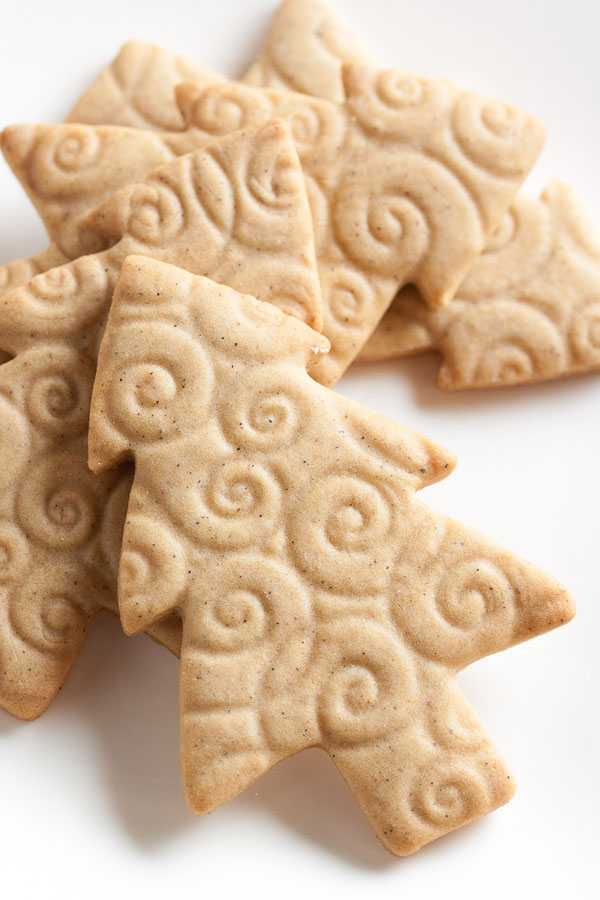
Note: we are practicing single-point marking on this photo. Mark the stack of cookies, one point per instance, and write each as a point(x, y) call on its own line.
point(220, 254)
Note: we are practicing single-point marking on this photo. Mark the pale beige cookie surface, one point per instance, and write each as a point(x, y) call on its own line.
point(528, 310)
point(66, 170)
point(20, 271)
point(137, 89)
point(237, 211)
point(406, 180)
point(322, 605)
point(304, 51)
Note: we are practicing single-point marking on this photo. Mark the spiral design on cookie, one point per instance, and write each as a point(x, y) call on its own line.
point(50, 617)
point(264, 413)
point(318, 38)
point(448, 795)
point(477, 593)
point(318, 129)
point(584, 335)
point(59, 401)
point(368, 679)
point(235, 505)
point(410, 210)
point(152, 570)
point(166, 382)
point(67, 297)
point(292, 286)
point(56, 284)
point(266, 188)
point(496, 137)
point(219, 110)
point(248, 601)
point(59, 391)
point(295, 291)
point(498, 343)
point(14, 553)
point(452, 723)
point(516, 252)
point(20, 271)
point(57, 505)
point(384, 232)
point(459, 617)
point(342, 532)
point(61, 160)
point(348, 296)
point(506, 363)
point(391, 104)
point(155, 213)
point(241, 490)
point(77, 150)
point(273, 181)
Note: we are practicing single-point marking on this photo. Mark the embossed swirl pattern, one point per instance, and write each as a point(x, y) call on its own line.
point(62, 159)
point(447, 798)
point(343, 533)
point(49, 617)
point(57, 504)
point(155, 395)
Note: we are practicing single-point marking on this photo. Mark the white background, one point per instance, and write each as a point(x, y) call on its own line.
point(90, 802)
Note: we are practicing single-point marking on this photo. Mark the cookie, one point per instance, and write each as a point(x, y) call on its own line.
point(237, 211)
point(304, 51)
point(20, 271)
point(528, 310)
point(66, 170)
point(322, 604)
point(406, 180)
point(137, 89)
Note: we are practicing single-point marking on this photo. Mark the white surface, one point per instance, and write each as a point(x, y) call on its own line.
point(90, 802)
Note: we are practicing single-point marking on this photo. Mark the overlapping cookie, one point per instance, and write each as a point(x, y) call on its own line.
point(511, 339)
point(528, 310)
point(303, 51)
point(236, 210)
point(406, 181)
point(322, 605)
point(137, 89)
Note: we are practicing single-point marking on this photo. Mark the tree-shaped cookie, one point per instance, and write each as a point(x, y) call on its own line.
point(67, 170)
point(528, 310)
point(20, 271)
point(406, 179)
point(237, 211)
point(304, 50)
point(322, 605)
point(137, 89)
